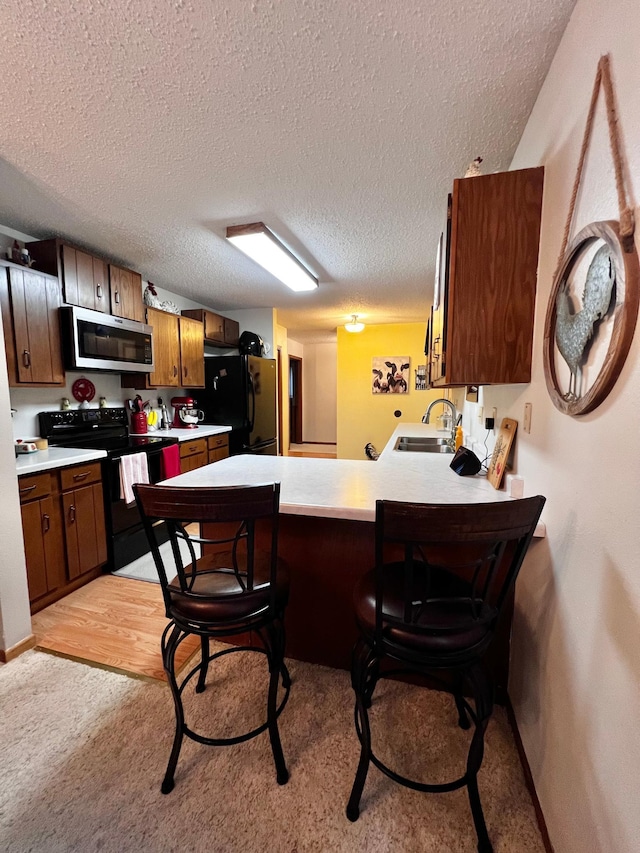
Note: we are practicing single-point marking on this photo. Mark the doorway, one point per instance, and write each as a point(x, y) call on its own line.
point(295, 400)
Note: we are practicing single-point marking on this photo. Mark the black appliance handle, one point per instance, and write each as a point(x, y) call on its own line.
point(253, 403)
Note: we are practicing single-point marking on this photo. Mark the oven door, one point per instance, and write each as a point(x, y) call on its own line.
point(127, 539)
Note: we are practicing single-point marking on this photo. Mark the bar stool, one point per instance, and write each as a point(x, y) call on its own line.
point(223, 587)
point(434, 612)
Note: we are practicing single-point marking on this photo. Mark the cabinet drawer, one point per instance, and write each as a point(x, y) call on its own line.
point(188, 448)
point(216, 441)
point(80, 475)
point(34, 486)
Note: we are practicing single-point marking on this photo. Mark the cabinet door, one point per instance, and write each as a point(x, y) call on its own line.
point(86, 281)
point(70, 275)
point(488, 325)
point(43, 547)
point(218, 447)
point(101, 286)
point(84, 278)
point(190, 463)
point(166, 349)
point(84, 529)
point(126, 293)
point(441, 303)
point(193, 454)
point(35, 300)
point(191, 353)
point(214, 327)
point(231, 332)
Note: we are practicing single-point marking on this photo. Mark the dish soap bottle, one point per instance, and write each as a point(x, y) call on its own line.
point(459, 437)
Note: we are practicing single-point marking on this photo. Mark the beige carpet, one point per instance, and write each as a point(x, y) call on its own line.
point(83, 752)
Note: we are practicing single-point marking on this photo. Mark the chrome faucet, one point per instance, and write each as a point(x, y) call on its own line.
point(454, 415)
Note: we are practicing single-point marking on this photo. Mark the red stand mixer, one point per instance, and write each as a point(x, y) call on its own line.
point(185, 414)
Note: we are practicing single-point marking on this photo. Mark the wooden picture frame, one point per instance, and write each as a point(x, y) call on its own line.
point(625, 315)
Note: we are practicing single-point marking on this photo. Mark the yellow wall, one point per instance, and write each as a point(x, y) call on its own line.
point(366, 417)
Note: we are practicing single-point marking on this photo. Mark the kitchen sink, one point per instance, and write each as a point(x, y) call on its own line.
point(423, 444)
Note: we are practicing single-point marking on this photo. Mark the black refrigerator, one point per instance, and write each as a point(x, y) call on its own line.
point(241, 391)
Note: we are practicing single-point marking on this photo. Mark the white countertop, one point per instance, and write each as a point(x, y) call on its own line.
point(201, 431)
point(54, 457)
point(348, 488)
point(60, 457)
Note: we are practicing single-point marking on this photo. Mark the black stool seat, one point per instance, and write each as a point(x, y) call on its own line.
point(441, 627)
point(217, 596)
point(222, 586)
point(435, 610)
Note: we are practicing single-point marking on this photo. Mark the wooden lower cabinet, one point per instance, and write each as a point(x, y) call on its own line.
point(193, 454)
point(43, 546)
point(85, 539)
point(64, 531)
point(217, 447)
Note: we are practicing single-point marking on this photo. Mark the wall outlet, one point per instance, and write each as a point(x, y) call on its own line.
point(480, 413)
point(494, 414)
point(527, 417)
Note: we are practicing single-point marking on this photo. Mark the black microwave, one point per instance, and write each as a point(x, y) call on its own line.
point(96, 341)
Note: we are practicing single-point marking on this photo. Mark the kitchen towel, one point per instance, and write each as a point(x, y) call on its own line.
point(133, 469)
point(170, 461)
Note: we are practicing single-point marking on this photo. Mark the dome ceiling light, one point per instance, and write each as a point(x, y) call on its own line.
point(354, 325)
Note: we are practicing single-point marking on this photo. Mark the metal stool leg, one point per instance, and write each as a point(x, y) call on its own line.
point(483, 696)
point(170, 640)
point(364, 671)
point(276, 665)
point(463, 717)
point(204, 666)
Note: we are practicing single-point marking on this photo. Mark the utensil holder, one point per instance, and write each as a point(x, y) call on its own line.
point(138, 423)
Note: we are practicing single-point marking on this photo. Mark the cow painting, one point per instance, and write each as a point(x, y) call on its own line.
point(390, 374)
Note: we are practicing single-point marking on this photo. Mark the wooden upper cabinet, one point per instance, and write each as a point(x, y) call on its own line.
point(178, 351)
point(90, 282)
point(30, 302)
point(86, 280)
point(126, 293)
point(219, 331)
point(166, 349)
point(191, 353)
point(482, 330)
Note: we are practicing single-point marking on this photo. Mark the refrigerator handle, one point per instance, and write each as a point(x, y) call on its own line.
point(252, 415)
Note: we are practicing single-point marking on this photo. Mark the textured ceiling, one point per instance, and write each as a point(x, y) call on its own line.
point(142, 128)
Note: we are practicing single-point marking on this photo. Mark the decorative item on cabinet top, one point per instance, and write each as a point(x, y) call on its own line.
point(151, 298)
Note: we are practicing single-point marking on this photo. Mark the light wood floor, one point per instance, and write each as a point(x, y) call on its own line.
point(114, 622)
point(313, 451)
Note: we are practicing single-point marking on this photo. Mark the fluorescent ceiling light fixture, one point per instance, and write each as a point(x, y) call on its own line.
point(354, 325)
point(263, 247)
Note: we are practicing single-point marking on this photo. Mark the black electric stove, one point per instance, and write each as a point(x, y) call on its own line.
point(97, 429)
point(107, 429)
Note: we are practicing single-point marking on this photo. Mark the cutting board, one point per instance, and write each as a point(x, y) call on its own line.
point(501, 450)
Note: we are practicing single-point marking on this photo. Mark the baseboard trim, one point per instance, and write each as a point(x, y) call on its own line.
point(528, 778)
point(23, 646)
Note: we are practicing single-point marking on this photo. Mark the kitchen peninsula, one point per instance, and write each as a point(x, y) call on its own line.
point(327, 531)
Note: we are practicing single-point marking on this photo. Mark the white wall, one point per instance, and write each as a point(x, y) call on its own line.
point(319, 392)
point(15, 615)
point(575, 668)
point(262, 321)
